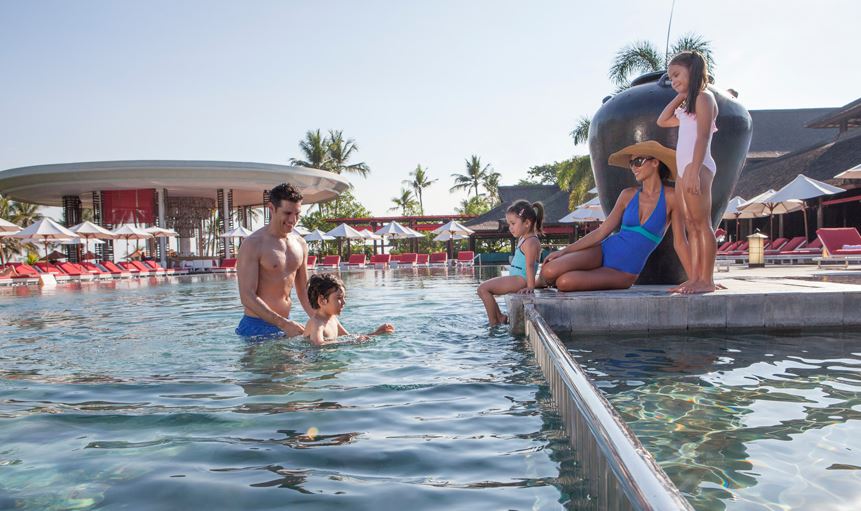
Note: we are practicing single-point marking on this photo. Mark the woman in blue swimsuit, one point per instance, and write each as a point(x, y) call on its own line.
point(524, 223)
point(604, 260)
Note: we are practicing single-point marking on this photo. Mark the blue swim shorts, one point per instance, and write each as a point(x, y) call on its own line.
point(256, 327)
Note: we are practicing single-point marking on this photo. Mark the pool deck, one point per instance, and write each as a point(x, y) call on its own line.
point(771, 297)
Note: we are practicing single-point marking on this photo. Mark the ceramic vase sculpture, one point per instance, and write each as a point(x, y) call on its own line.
point(630, 117)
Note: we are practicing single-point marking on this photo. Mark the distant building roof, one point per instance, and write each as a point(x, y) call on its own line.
point(821, 162)
point(779, 132)
point(843, 118)
point(555, 205)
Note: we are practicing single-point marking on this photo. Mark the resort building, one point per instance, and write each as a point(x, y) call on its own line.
point(172, 194)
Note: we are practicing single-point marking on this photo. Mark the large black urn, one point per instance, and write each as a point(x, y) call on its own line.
point(629, 117)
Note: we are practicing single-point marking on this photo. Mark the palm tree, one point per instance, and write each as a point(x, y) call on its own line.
point(644, 57)
point(419, 182)
point(474, 176)
point(315, 148)
point(22, 214)
point(575, 176)
point(406, 203)
point(580, 133)
point(339, 152)
point(491, 184)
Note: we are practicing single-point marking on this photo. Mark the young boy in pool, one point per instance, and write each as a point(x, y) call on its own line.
point(327, 296)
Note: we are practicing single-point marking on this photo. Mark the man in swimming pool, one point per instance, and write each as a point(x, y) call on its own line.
point(271, 262)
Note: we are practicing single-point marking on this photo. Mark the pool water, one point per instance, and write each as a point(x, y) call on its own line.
point(137, 395)
point(741, 421)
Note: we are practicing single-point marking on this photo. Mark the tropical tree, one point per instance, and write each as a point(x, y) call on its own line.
point(315, 150)
point(419, 182)
point(580, 133)
point(491, 184)
point(22, 214)
point(340, 150)
point(475, 175)
point(644, 57)
point(346, 207)
point(575, 176)
point(405, 202)
point(477, 205)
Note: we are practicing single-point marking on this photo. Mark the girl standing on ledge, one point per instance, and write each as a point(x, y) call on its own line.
point(524, 223)
point(603, 260)
point(694, 111)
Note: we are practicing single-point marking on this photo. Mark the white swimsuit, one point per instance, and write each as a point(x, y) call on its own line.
point(687, 139)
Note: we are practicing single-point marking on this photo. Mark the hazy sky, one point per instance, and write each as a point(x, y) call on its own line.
point(427, 83)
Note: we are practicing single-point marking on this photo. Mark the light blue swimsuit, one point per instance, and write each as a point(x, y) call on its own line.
point(517, 268)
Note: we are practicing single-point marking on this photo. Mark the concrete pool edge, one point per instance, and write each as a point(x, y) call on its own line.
point(745, 304)
point(623, 475)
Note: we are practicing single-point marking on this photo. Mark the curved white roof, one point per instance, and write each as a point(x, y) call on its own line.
point(47, 184)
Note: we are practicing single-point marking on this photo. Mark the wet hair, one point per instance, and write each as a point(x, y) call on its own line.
point(320, 285)
point(525, 211)
point(284, 191)
point(698, 76)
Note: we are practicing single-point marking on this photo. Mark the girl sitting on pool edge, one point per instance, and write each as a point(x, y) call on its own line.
point(604, 260)
point(327, 295)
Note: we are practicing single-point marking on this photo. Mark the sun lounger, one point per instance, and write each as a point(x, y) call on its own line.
point(357, 261)
point(116, 270)
point(839, 244)
point(154, 265)
point(96, 270)
point(380, 260)
point(408, 259)
point(438, 259)
point(330, 261)
point(776, 246)
point(465, 258)
point(227, 266)
point(58, 274)
point(22, 274)
point(75, 271)
point(422, 259)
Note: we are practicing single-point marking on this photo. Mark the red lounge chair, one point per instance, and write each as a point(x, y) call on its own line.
point(58, 274)
point(422, 259)
point(129, 267)
point(776, 246)
point(438, 259)
point(24, 271)
point(724, 246)
point(465, 258)
point(312, 262)
point(408, 259)
point(75, 271)
point(144, 269)
point(380, 260)
point(95, 270)
point(839, 244)
point(357, 260)
point(726, 250)
point(740, 249)
point(330, 261)
point(154, 265)
point(116, 270)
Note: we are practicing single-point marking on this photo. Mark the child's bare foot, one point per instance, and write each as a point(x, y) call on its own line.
point(680, 287)
point(699, 287)
point(503, 319)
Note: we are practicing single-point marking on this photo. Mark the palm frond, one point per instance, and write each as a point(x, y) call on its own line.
point(638, 56)
point(580, 133)
point(693, 42)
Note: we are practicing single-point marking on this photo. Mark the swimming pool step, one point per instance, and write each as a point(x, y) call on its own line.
point(746, 303)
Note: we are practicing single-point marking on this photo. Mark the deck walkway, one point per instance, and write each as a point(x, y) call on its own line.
point(772, 298)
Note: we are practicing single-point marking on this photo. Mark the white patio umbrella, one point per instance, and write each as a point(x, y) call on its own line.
point(344, 231)
point(129, 232)
point(318, 235)
point(45, 230)
point(732, 212)
point(593, 203)
point(158, 232)
point(6, 228)
point(803, 188)
point(394, 230)
point(414, 233)
point(368, 235)
point(239, 232)
point(90, 231)
point(301, 231)
point(584, 215)
point(762, 205)
point(447, 236)
point(453, 227)
point(593, 191)
point(853, 173)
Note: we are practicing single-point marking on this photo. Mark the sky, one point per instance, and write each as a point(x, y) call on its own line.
point(428, 83)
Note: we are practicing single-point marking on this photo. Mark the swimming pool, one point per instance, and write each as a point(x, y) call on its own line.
point(136, 394)
point(741, 421)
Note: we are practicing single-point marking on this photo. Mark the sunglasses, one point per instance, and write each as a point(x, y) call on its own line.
point(639, 161)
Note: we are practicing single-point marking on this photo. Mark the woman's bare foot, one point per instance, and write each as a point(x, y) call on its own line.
point(680, 287)
point(699, 287)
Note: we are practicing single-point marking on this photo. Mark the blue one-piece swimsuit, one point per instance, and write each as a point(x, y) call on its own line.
point(517, 268)
point(628, 249)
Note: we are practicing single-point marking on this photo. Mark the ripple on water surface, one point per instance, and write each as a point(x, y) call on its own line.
point(138, 394)
point(742, 421)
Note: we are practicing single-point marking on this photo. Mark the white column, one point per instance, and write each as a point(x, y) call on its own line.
point(225, 212)
point(162, 222)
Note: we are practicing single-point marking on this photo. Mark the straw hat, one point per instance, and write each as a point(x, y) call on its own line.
point(622, 158)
